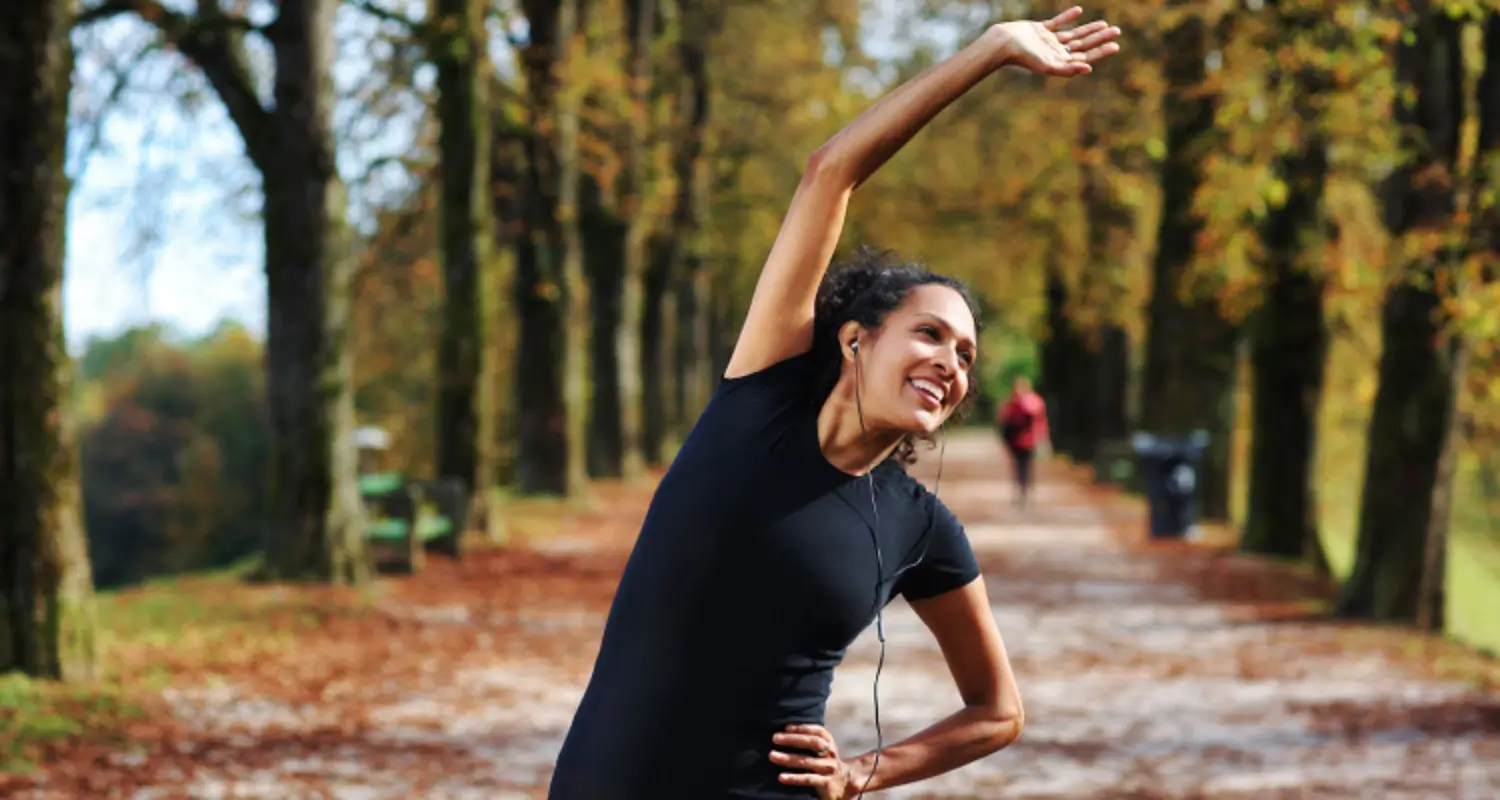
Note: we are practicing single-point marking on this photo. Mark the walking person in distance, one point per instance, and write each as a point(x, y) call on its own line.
point(1023, 429)
point(787, 520)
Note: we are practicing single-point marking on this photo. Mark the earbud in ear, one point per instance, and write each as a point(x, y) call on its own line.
point(854, 345)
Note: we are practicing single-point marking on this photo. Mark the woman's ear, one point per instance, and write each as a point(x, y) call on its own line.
point(850, 335)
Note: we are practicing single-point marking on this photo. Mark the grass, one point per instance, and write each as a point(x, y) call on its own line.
point(1473, 567)
point(170, 631)
point(35, 714)
point(183, 630)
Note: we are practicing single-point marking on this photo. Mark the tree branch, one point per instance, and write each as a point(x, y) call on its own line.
point(211, 42)
point(417, 30)
point(121, 74)
point(161, 17)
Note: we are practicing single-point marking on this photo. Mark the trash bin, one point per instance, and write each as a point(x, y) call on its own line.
point(1169, 466)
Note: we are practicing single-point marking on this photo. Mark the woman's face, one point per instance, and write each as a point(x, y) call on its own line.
point(916, 367)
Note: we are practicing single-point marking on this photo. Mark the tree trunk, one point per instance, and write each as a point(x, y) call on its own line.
point(315, 516)
point(1104, 291)
point(640, 18)
point(1289, 339)
point(1078, 413)
point(604, 256)
point(1484, 240)
point(1409, 423)
point(46, 584)
point(688, 280)
point(1432, 592)
point(1485, 232)
point(551, 363)
point(465, 409)
point(1190, 348)
point(1112, 415)
point(1289, 349)
point(614, 246)
point(506, 193)
point(694, 356)
point(575, 286)
point(1407, 432)
point(654, 354)
point(1067, 382)
point(726, 313)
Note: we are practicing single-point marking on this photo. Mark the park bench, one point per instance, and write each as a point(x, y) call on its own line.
point(406, 518)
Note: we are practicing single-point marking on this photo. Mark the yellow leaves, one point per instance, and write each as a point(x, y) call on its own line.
point(1275, 192)
point(425, 269)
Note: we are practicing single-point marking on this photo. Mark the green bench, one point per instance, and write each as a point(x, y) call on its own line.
point(406, 518)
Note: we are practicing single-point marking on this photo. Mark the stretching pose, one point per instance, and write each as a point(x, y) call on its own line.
point(787, 520)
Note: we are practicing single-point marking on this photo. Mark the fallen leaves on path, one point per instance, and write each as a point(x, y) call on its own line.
point(458, 681)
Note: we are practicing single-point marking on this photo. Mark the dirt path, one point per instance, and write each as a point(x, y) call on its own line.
point(1148, 671)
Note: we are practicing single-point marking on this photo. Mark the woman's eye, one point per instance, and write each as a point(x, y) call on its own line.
point(930, 332)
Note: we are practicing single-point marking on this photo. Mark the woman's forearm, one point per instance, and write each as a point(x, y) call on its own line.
point(857, 151)
point(966, 736)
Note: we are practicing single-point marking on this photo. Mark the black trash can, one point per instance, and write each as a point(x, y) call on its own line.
point(1169, 467)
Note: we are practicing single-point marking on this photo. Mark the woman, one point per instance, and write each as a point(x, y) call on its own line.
point(787, 519)
point(1023, 429)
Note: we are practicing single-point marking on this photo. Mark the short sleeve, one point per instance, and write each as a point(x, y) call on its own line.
point(946, 558)
point(788, 376)
point(759, 404)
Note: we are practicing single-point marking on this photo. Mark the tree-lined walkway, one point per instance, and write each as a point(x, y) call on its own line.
point(1147, 671)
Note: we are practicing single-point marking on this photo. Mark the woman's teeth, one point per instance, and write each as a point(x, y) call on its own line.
point(930, 389)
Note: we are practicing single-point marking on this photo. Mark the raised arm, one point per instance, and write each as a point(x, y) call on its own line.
point(779, 322)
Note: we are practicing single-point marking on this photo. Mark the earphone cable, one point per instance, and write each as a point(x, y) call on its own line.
point(880, 563)
point(879, 575)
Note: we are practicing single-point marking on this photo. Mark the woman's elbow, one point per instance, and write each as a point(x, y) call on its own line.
point(1004, 728)
point(827, 168)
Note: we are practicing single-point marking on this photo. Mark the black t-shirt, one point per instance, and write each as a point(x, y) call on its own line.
point(754, 569)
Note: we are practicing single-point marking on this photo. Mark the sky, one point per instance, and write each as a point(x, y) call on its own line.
point(163, 218)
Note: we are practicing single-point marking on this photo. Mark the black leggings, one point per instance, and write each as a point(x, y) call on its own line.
point(1022, 459)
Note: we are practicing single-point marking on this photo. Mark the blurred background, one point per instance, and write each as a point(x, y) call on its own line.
point(513, 242)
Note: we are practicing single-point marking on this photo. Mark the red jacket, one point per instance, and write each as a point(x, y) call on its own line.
point(1028, 414)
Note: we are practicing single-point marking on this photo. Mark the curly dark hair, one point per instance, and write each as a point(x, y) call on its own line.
point(865, 288)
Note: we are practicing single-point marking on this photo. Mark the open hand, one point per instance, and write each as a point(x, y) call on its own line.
point(822, 770)
point(1045, 48)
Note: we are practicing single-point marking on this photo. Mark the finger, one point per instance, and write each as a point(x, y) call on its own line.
point(1097, 53)
point(812, 728)
point(803, 741)
point(820, 766)
point(1082, 31)
point(825, 742)
point(1063, 18)
point(1094, 39)
point(802, 779)
point(1071, 69)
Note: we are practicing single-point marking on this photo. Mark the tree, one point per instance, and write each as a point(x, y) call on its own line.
point(454, 40)
point(314, 523)
point(1289, 336)
point(1088, 315)
point(687, 279)
point(466, 413)
point(670, 303)
point(1412, 415)
point(1190, 347)
point(616, 224)
point(551, 297)
point(1483, 247)
point(46, 587)
point(174, 457)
